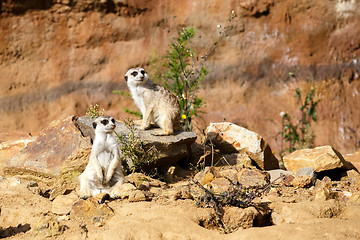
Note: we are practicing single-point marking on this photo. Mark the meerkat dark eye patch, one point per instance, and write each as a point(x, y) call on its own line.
point(126, 77)
point(105, 122)
point(94, 125)
point(143, 72)
point(134, 73)
point(113, 120)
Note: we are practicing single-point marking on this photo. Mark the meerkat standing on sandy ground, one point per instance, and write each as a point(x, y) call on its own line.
point(157, 104)
point(103, 172)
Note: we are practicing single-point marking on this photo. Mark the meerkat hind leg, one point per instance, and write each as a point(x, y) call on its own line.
point(166, 128)
point(115, 190)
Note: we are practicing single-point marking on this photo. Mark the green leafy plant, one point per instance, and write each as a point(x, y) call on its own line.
point(134, 151)
point(94, 112)
point(299, 134)
point(184, 75)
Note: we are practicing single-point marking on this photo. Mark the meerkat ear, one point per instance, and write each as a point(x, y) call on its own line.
point(94, 125)
point(126, 77)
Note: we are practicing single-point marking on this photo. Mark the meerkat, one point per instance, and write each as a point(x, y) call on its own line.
point(157, 104)
point(103, 172)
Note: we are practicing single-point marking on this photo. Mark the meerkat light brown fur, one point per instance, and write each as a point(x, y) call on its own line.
point(103, 174)
point(157, 104)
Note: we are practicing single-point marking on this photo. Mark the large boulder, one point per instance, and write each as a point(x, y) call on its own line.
point(230, 138)
point(12, 143)
point(58, 150)
point(320, 159)
point(171, 148)
point(353, 160)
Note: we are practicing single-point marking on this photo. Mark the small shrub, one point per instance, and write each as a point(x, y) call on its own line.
point(299, 134)
point(134, 151)
point(94, 112)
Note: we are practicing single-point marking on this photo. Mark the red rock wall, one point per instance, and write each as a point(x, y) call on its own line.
point(59, 56)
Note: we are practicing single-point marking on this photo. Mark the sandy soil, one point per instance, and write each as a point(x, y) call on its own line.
point(22, 212)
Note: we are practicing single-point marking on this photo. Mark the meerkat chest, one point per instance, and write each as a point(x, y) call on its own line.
point(141, 97)
point(105, 153)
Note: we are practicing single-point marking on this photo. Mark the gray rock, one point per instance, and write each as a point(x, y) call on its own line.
point(171, 148)
point(306, 171)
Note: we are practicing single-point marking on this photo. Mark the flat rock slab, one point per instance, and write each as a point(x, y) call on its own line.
point(44, 157)
point(231, 138)
point(171, 148)
point(320, 159)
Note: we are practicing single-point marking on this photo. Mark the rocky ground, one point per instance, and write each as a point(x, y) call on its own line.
point(318, 197)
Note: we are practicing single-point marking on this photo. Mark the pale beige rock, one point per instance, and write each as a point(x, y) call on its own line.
point(321, 193)
point(137, 196)
point(12, 143)
point(353, 160)
point(301, 212)
point(238, 159)
point(302, 181)
point(321, 159)
point(126, 189)
point(255, 177)
point(240, 217)
point(91, 210)
point(230, 138)
point(220, 185)
point(62, 204)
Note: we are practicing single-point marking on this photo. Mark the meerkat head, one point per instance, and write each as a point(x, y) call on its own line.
point(104, 124)
point(136, 76)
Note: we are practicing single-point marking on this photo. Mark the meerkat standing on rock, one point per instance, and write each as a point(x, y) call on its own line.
point(157, 104)
point(103, 172)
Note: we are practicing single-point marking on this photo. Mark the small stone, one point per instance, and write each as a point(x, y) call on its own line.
point(238, 159)
point(240, 217)
point(62, 204)
point(309, 171)
point(126, 189)
point(288, 180)
point(277, 173)
point(255, 177)
point(90, 209)
point(144, 186)
point(345, 196)
point(220, 185)
point(137, 196)
point(353, 177)
point(321, 193)
point(303, 181)
point(207, 176)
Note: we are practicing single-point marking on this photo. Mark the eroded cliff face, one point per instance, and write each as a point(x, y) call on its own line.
point(59, 56)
